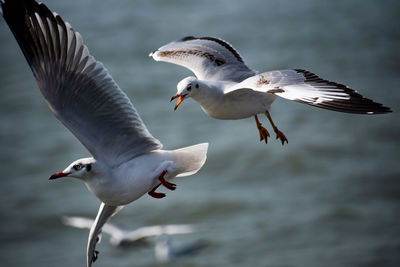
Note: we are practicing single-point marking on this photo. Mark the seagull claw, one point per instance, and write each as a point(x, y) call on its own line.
point(168, 185)
point(165, 183)
point(264, 134)
point(281, 136)
point(156, 194)
point(95, 255)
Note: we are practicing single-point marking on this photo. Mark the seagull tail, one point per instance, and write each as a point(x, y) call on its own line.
point(191, 158)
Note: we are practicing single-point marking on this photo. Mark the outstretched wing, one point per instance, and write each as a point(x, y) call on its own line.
point(103, 216)
point(78, 89)
point(305, 87)
point(209, 58)
point(86, 223)
point(157, 230)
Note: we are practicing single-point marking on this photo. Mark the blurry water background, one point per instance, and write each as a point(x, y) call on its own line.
point(331, 197)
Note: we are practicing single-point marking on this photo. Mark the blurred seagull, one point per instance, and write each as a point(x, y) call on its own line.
point(163, 249)
point(127, 160)
point(124, 238)
point(227, 89)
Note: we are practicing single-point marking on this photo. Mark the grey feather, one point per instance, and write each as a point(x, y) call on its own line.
point(78, 89)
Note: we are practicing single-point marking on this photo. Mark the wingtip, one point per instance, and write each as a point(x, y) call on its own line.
point(154, 54)
point(354, 103)
point(387, 109)
point(187, 38)
point(66, 220)
point(381, 110)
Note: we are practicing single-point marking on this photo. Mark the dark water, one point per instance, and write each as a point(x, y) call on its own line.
point(331, 197)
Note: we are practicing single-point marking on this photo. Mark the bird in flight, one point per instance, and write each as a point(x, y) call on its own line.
point(127, 161)
point(227, 89)
point(156, 235)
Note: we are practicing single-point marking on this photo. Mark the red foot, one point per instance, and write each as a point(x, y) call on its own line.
point(155, 194)
point(168, 185)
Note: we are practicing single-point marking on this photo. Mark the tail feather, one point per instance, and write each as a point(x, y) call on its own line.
point(191, 158)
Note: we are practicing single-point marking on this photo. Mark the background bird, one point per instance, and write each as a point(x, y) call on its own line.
point(158, 236)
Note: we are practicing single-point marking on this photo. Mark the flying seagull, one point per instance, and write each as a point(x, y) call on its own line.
point(158, 235)
point(227, 89)
point(124, 238)
point(127, 161)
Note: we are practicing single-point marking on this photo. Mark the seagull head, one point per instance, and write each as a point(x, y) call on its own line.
point(81, 169)
point(186, 88)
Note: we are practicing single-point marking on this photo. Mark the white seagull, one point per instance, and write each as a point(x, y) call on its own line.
point(164, 249)
point(227, 89)
point(127, 160)
point(123, 238)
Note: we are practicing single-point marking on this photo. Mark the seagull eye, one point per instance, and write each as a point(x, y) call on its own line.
point(77, 167)
point(88, 167)
point(189, 88)
point(197, 85)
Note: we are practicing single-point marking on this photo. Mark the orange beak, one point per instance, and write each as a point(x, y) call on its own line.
point(181, 97)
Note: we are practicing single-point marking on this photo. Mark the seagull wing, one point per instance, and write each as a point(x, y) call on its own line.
point(156, 230)
point(86, 223)
point(104, 214)
point(78, 89)
point(305, 87)
point(209, 58)
point(77, 222)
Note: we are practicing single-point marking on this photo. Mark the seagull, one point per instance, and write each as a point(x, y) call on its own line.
point(227, 89)
point(127, 161)
point(164, 250)
point(124, 238)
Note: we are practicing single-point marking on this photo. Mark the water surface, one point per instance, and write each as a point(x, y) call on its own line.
point(331, 197)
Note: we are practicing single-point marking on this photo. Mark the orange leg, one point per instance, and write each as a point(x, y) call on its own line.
point(264, 134)
point(279, 134)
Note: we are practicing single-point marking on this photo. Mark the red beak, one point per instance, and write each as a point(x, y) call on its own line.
point(181, 97)
point(58, 175)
